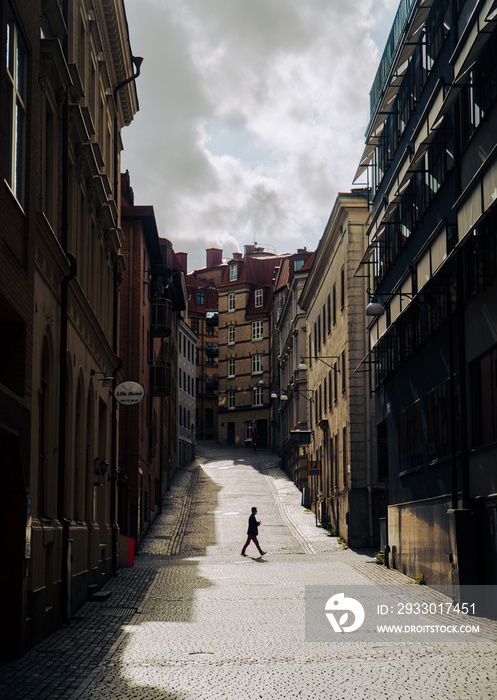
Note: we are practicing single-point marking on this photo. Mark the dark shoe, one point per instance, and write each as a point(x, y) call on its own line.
point(243, 554)
point(263, 553)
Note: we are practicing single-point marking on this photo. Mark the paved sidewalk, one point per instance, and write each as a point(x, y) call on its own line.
point(192, 620)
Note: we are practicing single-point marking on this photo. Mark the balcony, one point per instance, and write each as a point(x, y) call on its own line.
point(212, 350)
point(160, 378)
point(212, 382)
point(160, 318)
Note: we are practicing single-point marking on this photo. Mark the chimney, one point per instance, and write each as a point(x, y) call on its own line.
point(183, 261)
point(214, 256)
point(249, 249)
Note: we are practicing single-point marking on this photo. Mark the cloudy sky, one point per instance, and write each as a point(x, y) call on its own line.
point(252, 116)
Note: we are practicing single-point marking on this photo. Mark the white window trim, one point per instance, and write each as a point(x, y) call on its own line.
point(260, 326)
point(259, 392)
point(261, 363)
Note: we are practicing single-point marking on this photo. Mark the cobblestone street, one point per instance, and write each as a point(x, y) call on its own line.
point(193, 620)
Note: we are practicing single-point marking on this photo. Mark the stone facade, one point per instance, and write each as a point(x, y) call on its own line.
point(346, 495)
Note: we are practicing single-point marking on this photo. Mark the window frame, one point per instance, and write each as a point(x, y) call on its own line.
point(257, 396)
point(257, 363)
point(257, 330)
point(17, 110)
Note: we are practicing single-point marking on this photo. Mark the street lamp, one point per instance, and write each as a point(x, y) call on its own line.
point(107, 381)
point(302, 365)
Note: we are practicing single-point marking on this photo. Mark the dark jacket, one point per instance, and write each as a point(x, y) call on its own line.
point(253, 525)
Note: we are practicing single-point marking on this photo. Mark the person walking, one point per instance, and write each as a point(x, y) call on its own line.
point(252, 532)
point(254, 435)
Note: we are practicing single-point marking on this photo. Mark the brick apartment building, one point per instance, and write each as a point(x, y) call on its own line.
point(152, 300)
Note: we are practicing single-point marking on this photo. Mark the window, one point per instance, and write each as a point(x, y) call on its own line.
point(328, 306)
point(344, 455)
point(201, 298)
point(257, 330)
point(209, 417)
point(231, 366)
point(342, 371)
point(411, 437)
point(256, 364)
point(233, 272)
point(231, 334)
point(438, 419)
point(258, 297)
point(231, 399)
point(334, 304)
point(297, 265)
point(342, 288)
point(382, 449)
point(248, 429)
point(231, 301)
point(484, 399)
point(257, 395)
point(16, 112)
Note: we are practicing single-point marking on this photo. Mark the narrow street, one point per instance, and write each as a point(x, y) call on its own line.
point(193, 620)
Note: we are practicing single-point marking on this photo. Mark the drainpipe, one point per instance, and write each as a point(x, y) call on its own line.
point(62, 417)
point(137, 61)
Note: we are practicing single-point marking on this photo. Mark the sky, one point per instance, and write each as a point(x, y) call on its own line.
point(252, 116)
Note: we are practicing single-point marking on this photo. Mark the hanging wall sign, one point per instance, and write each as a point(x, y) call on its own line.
point(129, 393)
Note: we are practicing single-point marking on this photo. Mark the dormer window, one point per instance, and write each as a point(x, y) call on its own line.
point(259, 297)
point(233, 272)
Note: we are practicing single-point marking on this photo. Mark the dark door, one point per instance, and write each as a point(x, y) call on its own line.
point(262, 433)
point(231, 433)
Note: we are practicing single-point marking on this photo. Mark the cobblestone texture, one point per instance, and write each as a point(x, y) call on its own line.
point(192, 620)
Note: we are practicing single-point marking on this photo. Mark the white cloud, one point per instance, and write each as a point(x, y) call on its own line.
point(252, 116)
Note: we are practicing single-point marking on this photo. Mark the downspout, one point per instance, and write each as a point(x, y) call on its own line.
point(61, 457)
point(137, 61)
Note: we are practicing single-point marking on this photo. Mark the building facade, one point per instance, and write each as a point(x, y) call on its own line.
point(431, 256)
point(152, 302)
point(186, 380)
point(289, 392)
point(67, 91)
point(347, 494)
point(203, 318)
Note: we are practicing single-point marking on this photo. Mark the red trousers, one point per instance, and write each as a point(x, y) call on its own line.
point(252, 538)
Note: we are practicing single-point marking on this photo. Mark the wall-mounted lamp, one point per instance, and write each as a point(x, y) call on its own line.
point(375, 308)
point(106, 380)
point(303, 366)
point(100, 467)
point(121, 478)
